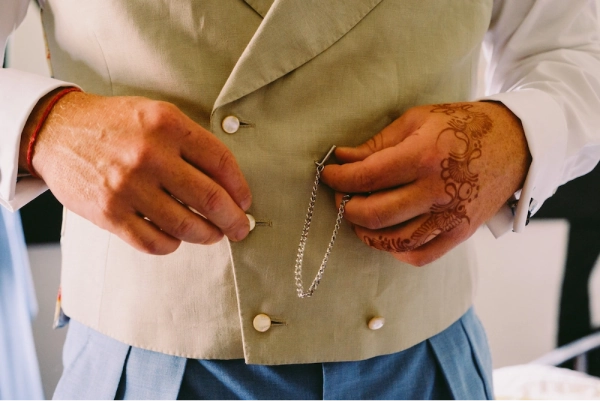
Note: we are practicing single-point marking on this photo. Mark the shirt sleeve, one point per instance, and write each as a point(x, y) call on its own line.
point(544, 65)
point(19, 93)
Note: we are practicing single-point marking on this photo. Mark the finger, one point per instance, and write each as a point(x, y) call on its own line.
point(390, 136)
point(417, 242)
point(385, 169)
point(433, 250)
point(145, 236)
point(205, 152)
point(388, 208)
point(177, 220)
point(404, 237)
point(197, 190)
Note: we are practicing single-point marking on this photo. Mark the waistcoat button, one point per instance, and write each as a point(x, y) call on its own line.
point(251, 220)
point(230, 124)
point(261, 322)
point(376, 323)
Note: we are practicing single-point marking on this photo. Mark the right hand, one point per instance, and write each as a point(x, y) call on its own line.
point(120, 162)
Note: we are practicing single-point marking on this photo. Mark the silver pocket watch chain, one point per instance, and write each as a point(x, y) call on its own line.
point(306, 228)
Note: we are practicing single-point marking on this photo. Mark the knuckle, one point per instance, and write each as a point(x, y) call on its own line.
point(113, 181)
point(120, 177)
point(226, 161)
point(185, 227)
point(140, 156)
point(412, 259)
point(108, 205)
point(414, 117)
point(412, 114)
point(373, 218)
point(150, 246)
point(234, 225)
point(430, 160)
point(213, 199)
point(155, 245)
point(157, 115)
point(374, 143)
point(211, 237)
point(420, 261)
point(231, 226)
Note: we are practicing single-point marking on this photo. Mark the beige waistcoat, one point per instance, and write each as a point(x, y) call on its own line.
point(301, 75)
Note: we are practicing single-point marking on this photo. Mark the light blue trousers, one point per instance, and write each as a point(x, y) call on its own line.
point(454, 364)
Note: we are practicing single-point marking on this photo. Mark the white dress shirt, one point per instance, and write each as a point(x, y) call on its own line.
point(544, 66)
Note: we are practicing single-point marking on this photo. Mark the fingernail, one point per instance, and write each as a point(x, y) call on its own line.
point(246, 203)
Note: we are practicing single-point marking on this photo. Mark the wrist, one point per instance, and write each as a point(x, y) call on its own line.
point(513, 140)
point(36, 124)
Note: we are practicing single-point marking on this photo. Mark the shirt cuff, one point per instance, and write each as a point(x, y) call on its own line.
point(20, 92)
point(545, 128)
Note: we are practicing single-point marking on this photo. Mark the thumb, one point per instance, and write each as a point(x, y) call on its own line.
point(390, 136)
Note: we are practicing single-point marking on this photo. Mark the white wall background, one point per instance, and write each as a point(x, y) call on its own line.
point(520, 274)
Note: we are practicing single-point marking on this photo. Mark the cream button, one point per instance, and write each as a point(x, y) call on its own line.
point(261, 322)
point(230, 124)
point(376, 323)
point(252, 221)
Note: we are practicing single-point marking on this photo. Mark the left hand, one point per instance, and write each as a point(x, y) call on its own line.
point(428, 180)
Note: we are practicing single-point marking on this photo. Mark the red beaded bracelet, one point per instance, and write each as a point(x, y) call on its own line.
point(39, 125)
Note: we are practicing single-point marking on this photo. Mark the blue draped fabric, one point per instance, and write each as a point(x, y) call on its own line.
point(19, 370)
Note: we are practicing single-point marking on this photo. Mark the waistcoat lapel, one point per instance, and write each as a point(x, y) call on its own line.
point(260, 6)
point(292, 33)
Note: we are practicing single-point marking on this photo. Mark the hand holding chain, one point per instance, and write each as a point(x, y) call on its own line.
point(304, 237)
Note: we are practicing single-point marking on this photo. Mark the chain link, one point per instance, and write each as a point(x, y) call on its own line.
point(304, 236)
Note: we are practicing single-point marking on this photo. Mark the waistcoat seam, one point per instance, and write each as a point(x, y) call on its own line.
point(110, 81)
point(102, 294)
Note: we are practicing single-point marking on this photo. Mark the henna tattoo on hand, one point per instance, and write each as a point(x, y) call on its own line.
point(460, 183)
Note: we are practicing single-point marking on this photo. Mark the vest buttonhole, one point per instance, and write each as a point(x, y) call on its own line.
point(264, 223)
